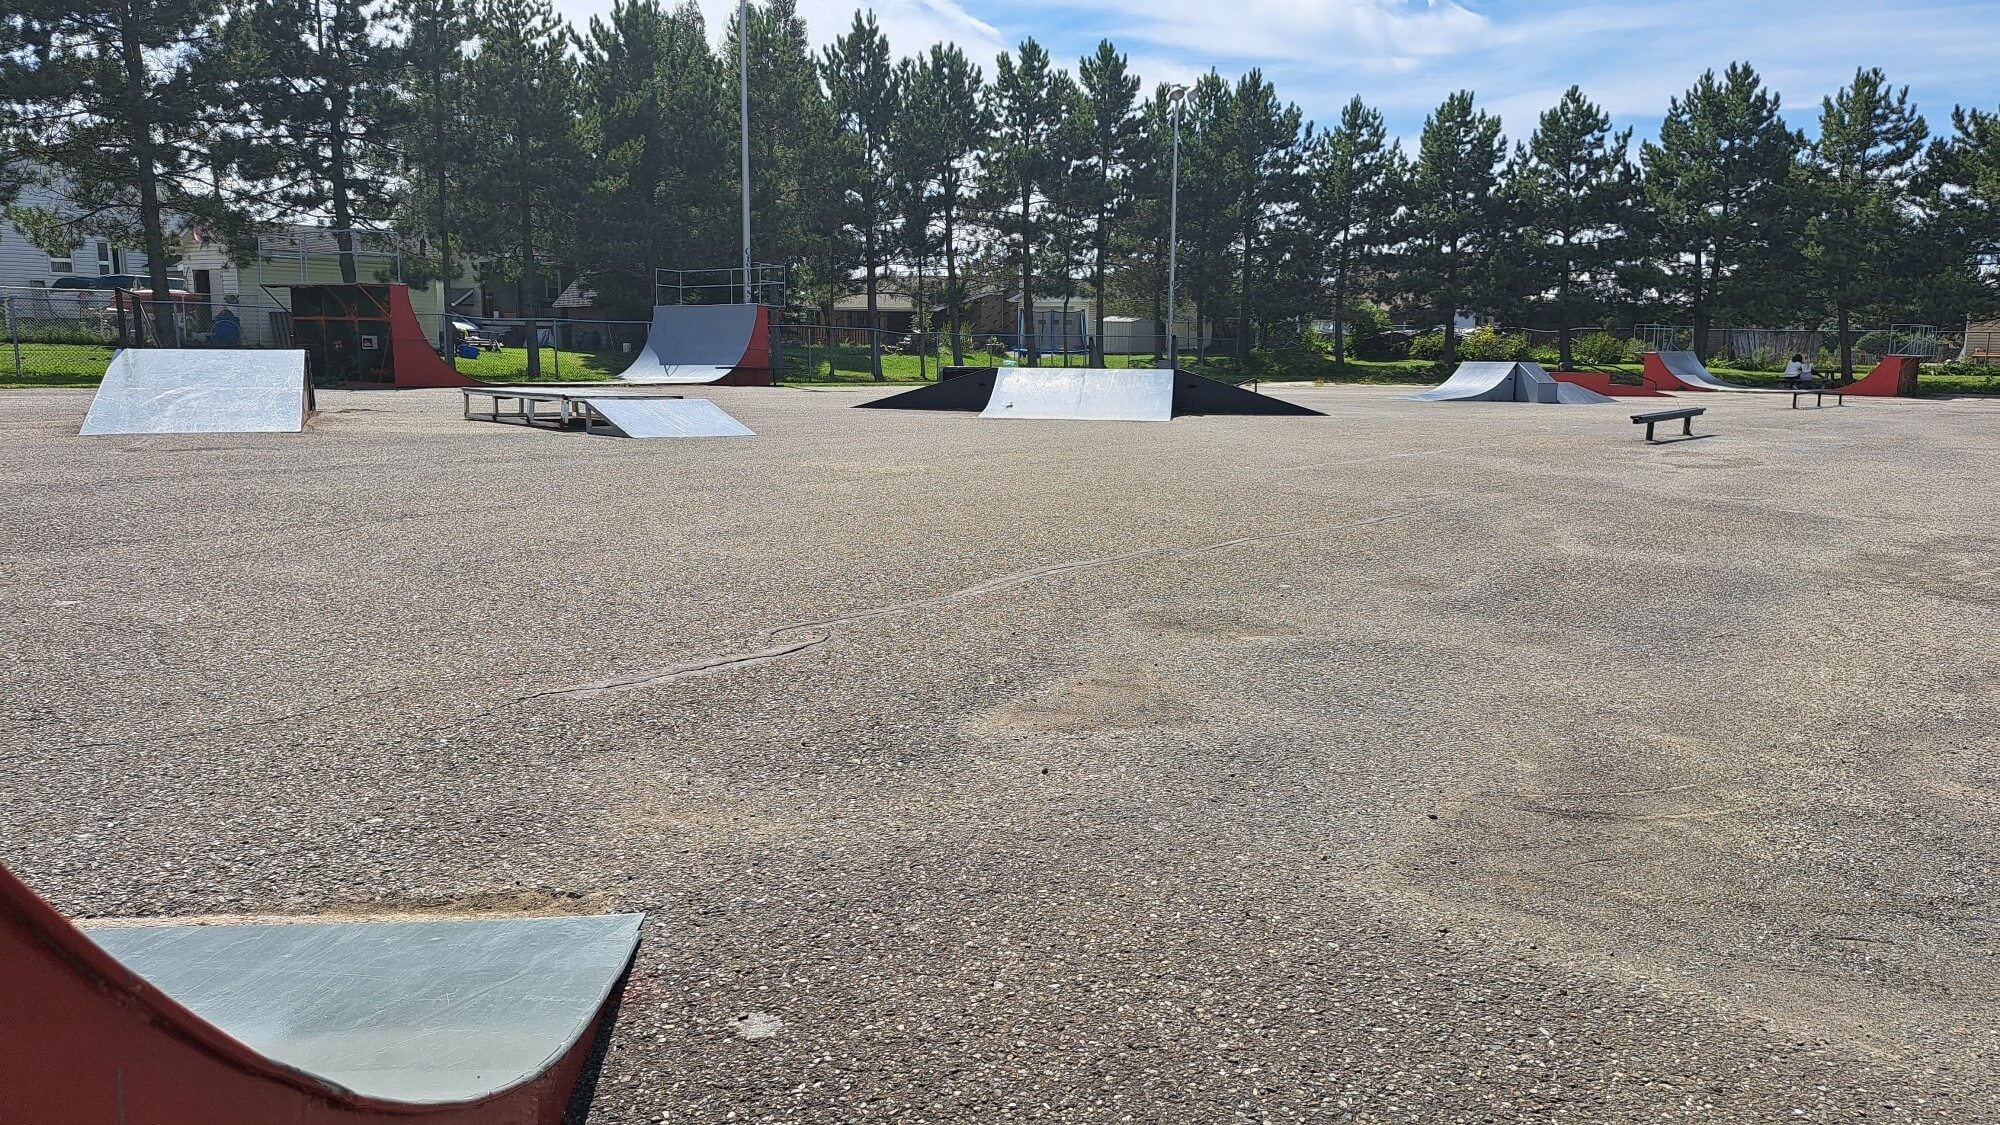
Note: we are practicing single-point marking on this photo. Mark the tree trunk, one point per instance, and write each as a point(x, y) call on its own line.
point(1340, 310)
point(1027, 341)
point(1842, 322)
point(1097, 292)
point(874, 315)
point(166, 331)
point(951, 283)
point(1450, 302)
point(530, 281)
point(339, 190)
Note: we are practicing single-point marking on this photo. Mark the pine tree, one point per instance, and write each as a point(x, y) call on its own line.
point(1572, 185)
point(862, 86)
point(1026, 100)
point(430, 62)
point(522, 102)
point(1357, 179)
point(657, 121)
point(798, 164)
point(1454, 209)
point(1102, 177)
point(111, 99)
point(1264, 159)
point(1961, 229)
point(313, 82)
point(1860, 244)
point(944, 124)
point(1210, 201)
point(1718, 188)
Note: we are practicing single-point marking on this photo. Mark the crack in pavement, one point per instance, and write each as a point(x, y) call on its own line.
point(734, 660)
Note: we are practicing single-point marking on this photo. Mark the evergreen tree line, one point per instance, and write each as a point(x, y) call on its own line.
point(497, 133)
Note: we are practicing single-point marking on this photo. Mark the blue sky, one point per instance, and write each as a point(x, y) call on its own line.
point(1518, 55)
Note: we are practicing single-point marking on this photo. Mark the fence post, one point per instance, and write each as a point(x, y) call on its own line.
point(14, 335)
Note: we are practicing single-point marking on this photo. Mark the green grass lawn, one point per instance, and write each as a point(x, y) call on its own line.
point(54, 365)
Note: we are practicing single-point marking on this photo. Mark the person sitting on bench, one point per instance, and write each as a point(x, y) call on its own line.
point(1798, 373)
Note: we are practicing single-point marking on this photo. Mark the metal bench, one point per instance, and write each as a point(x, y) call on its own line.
point(1686, 414)
point(1819, 396)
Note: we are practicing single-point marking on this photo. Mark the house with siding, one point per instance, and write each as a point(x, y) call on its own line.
point(25, 266)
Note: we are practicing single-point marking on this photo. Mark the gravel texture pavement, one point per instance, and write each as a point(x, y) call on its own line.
point(1419, 763)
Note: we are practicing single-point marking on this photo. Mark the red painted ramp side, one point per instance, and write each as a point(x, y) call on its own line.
point(1602, 383)
point(1655, 371)
point(754, 370)
point(416, 364)
point(1894, 377)
point(84, 1041)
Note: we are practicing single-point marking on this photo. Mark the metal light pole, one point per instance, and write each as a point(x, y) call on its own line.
point(1175, 96)
point(743, 104)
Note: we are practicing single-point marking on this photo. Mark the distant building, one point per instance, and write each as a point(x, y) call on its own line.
point(25, 266)
point(1982, 342)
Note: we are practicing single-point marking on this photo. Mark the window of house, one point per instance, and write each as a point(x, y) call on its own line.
point(550, 292)
point(105, 265)
point(64, 265)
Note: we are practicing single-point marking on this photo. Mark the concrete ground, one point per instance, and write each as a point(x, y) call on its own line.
point(1418, 763)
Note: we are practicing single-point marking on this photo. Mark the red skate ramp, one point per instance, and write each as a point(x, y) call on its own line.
point(1602, 383)
point(1894, 377)
point(450, 1022)
point(368, 335)
point(728, 345)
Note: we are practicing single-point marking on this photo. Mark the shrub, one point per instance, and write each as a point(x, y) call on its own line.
point(1597, 349)
point(1962, 369)
point(1549, 357)
point(1428, 345)
point(1487, 344)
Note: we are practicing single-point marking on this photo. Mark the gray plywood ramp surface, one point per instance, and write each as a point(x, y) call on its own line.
point(693, 343)
point(1133, 394)
point(668, 417)
point(410, 1011)
point(201, 391)
point(1506, 381)
point(1689, 369)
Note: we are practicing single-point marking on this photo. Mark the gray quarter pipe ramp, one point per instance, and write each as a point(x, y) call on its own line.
point(705, 344)
point(201, 391)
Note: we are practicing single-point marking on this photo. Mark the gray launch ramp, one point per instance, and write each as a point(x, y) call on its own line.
point(1689, 369)
point(1098, 394)
point(1501, 381)
point(201, 391)
point(694, 344)
point(667, 417)
point(1114, 394)
point(422, 1012)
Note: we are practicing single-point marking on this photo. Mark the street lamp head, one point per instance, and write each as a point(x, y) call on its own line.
point(1176, 93)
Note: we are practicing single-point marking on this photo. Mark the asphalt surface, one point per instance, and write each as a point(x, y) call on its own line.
point(1419, 763)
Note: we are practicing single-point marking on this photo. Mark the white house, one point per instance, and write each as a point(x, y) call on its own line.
point(25, 266)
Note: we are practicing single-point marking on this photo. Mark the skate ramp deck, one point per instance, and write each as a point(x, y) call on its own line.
point(668, 417)
point(1108, 394)
point(456, 1021)
point(1503, 381)
point(704, 344)
point(201, 391)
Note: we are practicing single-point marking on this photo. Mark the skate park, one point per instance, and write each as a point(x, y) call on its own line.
point(624, 564)
point(872, 717)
